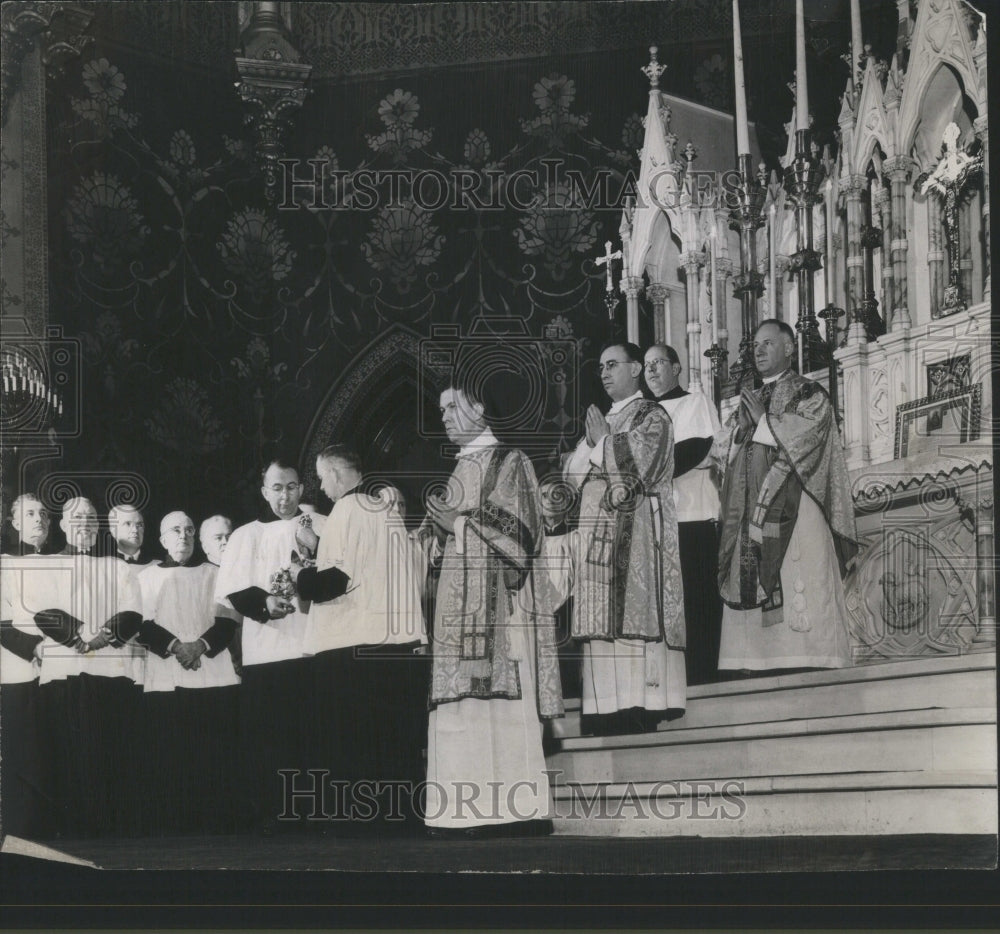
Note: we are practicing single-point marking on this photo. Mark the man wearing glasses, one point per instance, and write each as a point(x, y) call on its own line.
point(695, 428)
point(628, 604)
point(274, 707)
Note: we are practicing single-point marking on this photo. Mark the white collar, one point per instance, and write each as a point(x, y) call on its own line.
point(618, 406)
point(774, 379)
point(486, 440)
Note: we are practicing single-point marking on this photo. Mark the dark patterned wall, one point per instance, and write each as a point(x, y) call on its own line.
point(213, 325)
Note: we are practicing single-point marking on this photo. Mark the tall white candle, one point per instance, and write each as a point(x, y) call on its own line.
point(715, 293)
point(829, 242)
point(742, 130)
point(772, 259)
point(856, 47)
point(801, 88)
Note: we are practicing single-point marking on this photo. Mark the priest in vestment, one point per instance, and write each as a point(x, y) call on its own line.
point(696, 427)
point(495, 671)
point(275, 700)
point(191, 692)
point(788, 531)
point(628, 596)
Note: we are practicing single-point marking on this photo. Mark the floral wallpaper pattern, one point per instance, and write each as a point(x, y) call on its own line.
point(212, 324)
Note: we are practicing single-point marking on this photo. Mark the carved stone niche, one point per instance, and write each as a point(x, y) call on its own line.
point(913, 593)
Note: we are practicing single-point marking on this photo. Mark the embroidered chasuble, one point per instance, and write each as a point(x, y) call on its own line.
point(788, 534)
point(628, 595)
point(495, 667)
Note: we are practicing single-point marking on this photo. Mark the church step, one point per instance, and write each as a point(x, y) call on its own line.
point(941, 682)
point(861, 803)
point(961, 739)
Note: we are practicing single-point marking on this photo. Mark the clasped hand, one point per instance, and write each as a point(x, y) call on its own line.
point(442, 515)
point(751, 408)
point(279, 607)
point(189, 654)
point(597, 426)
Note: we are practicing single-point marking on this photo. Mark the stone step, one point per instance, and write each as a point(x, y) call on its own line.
point(927, 740)
point(894, 748)
point(923, 684)
point(859, 803)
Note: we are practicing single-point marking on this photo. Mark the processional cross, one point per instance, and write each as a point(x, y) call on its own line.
point(610, 299)
point(948, 181)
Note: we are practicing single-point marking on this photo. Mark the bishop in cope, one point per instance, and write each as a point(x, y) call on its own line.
point(788, 531)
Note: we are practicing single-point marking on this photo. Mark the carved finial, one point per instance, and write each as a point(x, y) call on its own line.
point(690, 152)
point(654, 69)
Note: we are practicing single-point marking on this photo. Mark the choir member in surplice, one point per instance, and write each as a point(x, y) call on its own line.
point(365, 627)
point(22, 768)
point(213, 536)
point(86, 606)
point(127, 532)
point(275, 695)
point(191, 692)
point(494, 667)
point(628, 595)
point(127, 528)
point(696, 427)
point(788, 530)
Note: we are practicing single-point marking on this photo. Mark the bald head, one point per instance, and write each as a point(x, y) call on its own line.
point(79, 523)
point(214, 534)
point(773, 347)
point(177, 536)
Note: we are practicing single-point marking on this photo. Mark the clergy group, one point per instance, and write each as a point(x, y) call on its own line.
point(350, 674)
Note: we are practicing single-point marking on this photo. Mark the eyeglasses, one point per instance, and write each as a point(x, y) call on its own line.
point(656, 362)
point(289, 487)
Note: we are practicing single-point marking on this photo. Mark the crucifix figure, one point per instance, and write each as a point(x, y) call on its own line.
point(610, 299)
point(607, 260)
point(948, 182)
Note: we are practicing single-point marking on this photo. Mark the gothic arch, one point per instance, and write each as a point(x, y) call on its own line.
point(945, 97)
point(378, 404)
